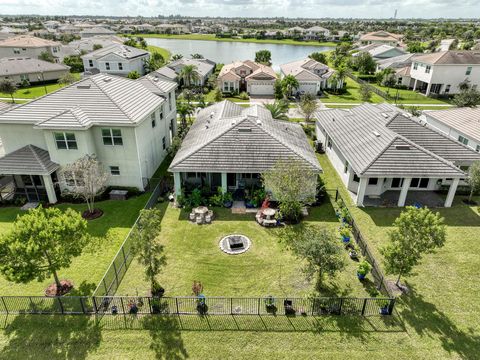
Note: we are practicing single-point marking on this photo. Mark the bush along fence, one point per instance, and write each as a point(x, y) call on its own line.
point(200, 305)
point(378, 276)
point(375, 90)
point(116, 271)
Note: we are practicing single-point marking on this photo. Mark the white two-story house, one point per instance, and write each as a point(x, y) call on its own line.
point(442, 72)
point(127, 124)
point(29, 46)
point(116, 59)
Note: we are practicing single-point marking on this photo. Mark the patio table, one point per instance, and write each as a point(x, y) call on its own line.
point(268, 212)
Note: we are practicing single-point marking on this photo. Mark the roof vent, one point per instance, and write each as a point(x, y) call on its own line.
point(385, 115)
point(259, 122)
point(107, 79)
point(233, 122)
point(211, 115)
point(244, 130)
point(83, 86)
point(402, 147)
point(376, 133)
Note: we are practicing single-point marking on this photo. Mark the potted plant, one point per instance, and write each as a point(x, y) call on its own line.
point(345, 215)
point(363, 269)
point(270, 305)
point(157, 290)
point(345, 233)
point(385, 307)
point(227, 200)
point(202, 307)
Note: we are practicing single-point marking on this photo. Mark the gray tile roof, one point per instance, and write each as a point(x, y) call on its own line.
point(27, 65)
point(451, 57)
point(157, 84)
point(28, 160)
point(165, 72)
point(104, 99)
point(464, 120)
point(203, 67)
point(374, 149)
point(124, 51)
point(228, 138)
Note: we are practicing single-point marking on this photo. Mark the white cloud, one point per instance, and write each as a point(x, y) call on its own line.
point(259, 8)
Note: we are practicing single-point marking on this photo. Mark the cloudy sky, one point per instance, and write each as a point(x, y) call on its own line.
point(259, 8)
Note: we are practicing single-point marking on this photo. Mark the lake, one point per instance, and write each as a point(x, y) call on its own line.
point(227, 52)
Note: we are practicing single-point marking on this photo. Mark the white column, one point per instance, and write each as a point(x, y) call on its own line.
point(177, 183)
point(362, 186)
point(428, 89)
point(404, 192)
point(451, 192)
point(224, 183)
point(48, 183)
point(415, 85)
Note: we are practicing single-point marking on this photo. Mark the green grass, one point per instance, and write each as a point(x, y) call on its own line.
point(87, 270)
point(410, 97)
point(164, 52)
point(210, 97)
point(211, 37)
point(36, 91)
point(352, 95)
point(266, 268)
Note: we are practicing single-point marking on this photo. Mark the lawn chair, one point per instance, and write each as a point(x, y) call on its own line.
point(208, 219)
point(192, 216)
point(199, 220)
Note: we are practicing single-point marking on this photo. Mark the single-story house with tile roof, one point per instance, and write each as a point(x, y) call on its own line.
point(381, 37)
point(249, 76)
point(116, 59)
point(462, 124)
point(19, 69)
point(203, 67)
point(312, 75)
point(381, 51)
point(383, 154)
point(229, 146)
point(127, 124)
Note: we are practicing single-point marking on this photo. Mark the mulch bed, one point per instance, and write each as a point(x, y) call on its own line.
point(92, 215)
point(66, 286)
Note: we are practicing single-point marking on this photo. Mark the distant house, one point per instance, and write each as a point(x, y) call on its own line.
point(95, 31)
point(116, 59)
point(127, 124)
point(381, 37)
point(229, 146)
point(312, 75)
point(316, 33)
point(145, 28)
point(20, 69)
point(442, 73)
point(249, 76)
point(29, 46)
point(204, 68)
point(386, 157)
point(380, 51)
point(87, 44)
point(461, 124)
point(396, 62)
point(171, 29)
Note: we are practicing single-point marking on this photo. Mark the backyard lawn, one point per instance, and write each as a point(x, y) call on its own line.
point(352, 95)
point(87, 270)
point(35, 91)
point(410, 97)
point(267, 268)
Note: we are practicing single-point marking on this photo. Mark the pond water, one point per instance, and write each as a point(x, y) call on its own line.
point(227, 52)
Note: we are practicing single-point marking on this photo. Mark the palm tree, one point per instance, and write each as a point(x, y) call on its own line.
point(184, 109)
point(189, 75)
point(341, 73)
point(278, 109)
point(289, 83)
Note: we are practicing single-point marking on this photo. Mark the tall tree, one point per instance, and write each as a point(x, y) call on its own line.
point(8, 87)
point(189, 75)
point(40, 243)
point(184, 109)
point(308, 105)
point(75, 62)
point(278, 109)
point(318, 56)
point(293, 185)
point(146, 246)
point(263, 57)
point(417, 232)
point(46, 56)
point(365, 92)
point(133, 75)
point(155, 62)
point(364, 63)
point(67, 79)
point(85, 178)
point(289, 83)
point(467, 97)
point(473, 179)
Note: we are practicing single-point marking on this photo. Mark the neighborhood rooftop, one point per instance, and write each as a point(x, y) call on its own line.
point(27, 41)
point(464, 120)
point(99, 99)
point(22, 65)
point(124, 51)
point(451, 57)
point(380, 140)
point(30, 157)
point(226, 137)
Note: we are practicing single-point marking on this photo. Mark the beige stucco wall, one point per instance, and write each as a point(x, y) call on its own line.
point(36, 76)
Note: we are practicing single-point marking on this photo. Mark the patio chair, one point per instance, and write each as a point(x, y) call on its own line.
point(192, 216)
point(258, 217)
point(208, 219)
point(199, 220)
point(210, 213)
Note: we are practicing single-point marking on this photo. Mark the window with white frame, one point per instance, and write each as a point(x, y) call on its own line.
point(415, 66)
point(115, 170)
point(161, 112)
point(120, 66)
point(447, 89)
point(427, 69)
point(164, 143)
point(477, 149)
point(107, 65)
point(112, 137)
point(16, 51)
point(65, 141)
point(153, 119)
point(90, 63)
point(469, 70)
point(463, 140)
point(24, 77)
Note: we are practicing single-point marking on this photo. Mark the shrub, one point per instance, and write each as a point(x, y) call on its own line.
point(364, 268)
point(243, 96)
point(217, 199)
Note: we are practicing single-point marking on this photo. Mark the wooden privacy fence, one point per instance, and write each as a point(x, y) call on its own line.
point(116, 271)
point(128, 305)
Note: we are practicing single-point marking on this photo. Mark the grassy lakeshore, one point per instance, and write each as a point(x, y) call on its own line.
point(164, 52)
point(212, 37)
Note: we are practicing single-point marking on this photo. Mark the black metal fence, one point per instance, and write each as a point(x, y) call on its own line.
point(378, 276)
point(116, 271)
point(374, 89)
point(125, 305)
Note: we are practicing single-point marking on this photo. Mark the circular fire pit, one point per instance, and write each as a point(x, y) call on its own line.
point(234, 244)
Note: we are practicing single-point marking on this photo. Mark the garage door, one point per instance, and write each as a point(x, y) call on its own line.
point(261, 89)
point(310, 88)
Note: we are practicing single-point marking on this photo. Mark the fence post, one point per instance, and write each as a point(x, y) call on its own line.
point(258, 308)
point(61, 305)
point(364, 306)
point(81, 304)
point(390, 307)
point(231, 306)
point(5, 305)
point(176, 303)
point(336, 195)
